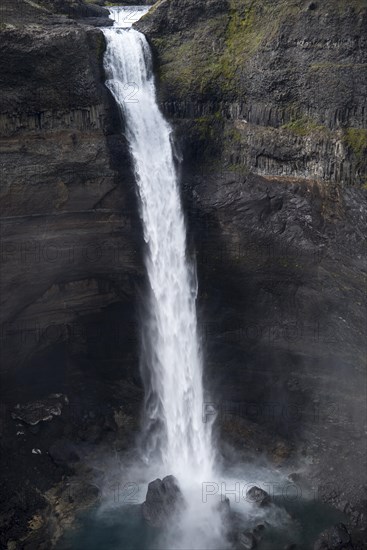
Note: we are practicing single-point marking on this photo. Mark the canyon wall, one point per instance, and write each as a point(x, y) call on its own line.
point(282, 82)
point(268, 103)
point(71, 260)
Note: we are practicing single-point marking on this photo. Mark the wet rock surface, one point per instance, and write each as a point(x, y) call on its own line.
point(164, 499)
point(335, 538)
point(40, 411)
point(258, 497)
point(246, 538)
point(224, 509)
point(247, 541)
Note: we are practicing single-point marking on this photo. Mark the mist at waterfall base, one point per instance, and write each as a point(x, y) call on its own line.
point(117, 523)
point(174, 438)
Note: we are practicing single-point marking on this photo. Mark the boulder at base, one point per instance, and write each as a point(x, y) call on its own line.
point(163, 499)
point(258, 496)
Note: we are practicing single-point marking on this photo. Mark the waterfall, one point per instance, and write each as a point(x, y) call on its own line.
point(178, 439)
point(171, 356)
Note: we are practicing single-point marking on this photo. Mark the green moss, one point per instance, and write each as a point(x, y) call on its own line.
point(189, 63)
point(209, 57)
point(209, 127)
point(356, 140)
point(101, 46)
point(304, 126)
point(243, 37)
point(214, 56)
point(233, 135)
point(251, 24)
point(238, 169)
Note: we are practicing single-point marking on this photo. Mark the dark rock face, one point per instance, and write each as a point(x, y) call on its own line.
point(268, 104)
point(281, 270)
point(67, 197)
point(258, 497)
point(284, 84)
point(51, 12)
point(163, 500)
point(63, 452)
point(243, 538)
point(39, 411)
point(335, 538)
point(246, 541)
point(71, 261)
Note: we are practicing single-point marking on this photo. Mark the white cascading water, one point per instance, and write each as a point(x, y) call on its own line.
point(178, 439)
point(171, 350)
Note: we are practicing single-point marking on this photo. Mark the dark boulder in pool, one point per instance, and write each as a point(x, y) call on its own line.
point(164, 498)
point(334, 538)
point(258, 496)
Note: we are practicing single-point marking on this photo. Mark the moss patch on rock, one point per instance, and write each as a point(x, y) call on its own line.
point(356, 140)
point(304, 126)
point(207, 57)
point(191, 63)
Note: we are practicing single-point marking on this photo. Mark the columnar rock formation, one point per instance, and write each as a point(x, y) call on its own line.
point(69, 244)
